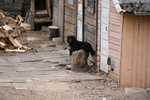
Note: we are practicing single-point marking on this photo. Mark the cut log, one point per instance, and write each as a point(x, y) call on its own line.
point(18, 43)
point(12, 25)
point(15, 50)
point(12, 41)
point(26, 48)
point(53, 31)
point(1, 14)
point(12, 33)
point(20, 28)
point(19, 19)
point(2, 45)
point(6, 27)
point(26, 26)
point(1, 34)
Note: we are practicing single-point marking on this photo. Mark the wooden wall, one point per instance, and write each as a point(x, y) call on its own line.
point(135, 66)
point(26, 6)
point(115, 36)
point(70, 19)
point(90, 24)
point(115, 33)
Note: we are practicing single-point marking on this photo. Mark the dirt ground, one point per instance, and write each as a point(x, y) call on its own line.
point(105, 89)
point(35, 39)
point(86, 90)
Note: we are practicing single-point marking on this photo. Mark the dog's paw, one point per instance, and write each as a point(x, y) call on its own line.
point(69, 53)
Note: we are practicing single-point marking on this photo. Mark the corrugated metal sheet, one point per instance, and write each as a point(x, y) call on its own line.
point(139, 7)
point(131, 1)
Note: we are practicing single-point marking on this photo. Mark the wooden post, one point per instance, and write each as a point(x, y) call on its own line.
point(61, 18)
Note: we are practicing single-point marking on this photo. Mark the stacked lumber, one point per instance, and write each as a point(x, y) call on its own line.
point(10, 29)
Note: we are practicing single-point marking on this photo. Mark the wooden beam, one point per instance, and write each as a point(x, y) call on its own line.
point(12, 41)
point(61, 18)
point(2, 45)
point(19, 19)
point(48, 7)
point(18, 43)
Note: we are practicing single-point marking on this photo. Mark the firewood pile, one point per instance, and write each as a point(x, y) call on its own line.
point(10, 29)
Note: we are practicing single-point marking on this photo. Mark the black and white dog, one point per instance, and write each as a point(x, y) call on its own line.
point(78, 45)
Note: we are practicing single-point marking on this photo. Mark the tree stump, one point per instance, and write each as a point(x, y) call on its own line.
point(53, 31)
point(79, 61)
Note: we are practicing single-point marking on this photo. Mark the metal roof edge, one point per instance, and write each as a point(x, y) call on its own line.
point(130, 1)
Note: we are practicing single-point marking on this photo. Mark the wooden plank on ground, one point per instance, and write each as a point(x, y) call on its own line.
point(15, 50)
point(26, 48)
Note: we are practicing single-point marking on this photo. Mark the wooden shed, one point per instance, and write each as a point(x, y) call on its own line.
point(124, 41)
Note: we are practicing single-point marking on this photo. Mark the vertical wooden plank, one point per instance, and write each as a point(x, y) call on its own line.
point(135, 53)
point(48, 7)
point(148, 57)
point(144, 48)
point(135, 64)
point(33, 6)
point(127, 47)
point(61, 18)
point(139, 50)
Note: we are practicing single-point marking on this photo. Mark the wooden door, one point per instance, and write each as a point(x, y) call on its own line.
point(104, 35)
point(135, 60)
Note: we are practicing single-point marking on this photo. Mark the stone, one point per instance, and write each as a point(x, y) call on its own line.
point(148, 91)
point(57, 40)
point(136, 93)
point(79, 60)
point(44, 29)
point(135, 90)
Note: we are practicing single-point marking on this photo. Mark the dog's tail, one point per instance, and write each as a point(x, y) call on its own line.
point(92, 53)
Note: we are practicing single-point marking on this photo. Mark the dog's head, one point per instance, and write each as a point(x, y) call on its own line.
point(71, 39)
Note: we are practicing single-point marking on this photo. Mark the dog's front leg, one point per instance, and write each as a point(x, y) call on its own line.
point(70, 51)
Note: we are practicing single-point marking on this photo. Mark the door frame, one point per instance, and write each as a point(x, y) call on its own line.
point(104, 35)
point(80, 21)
